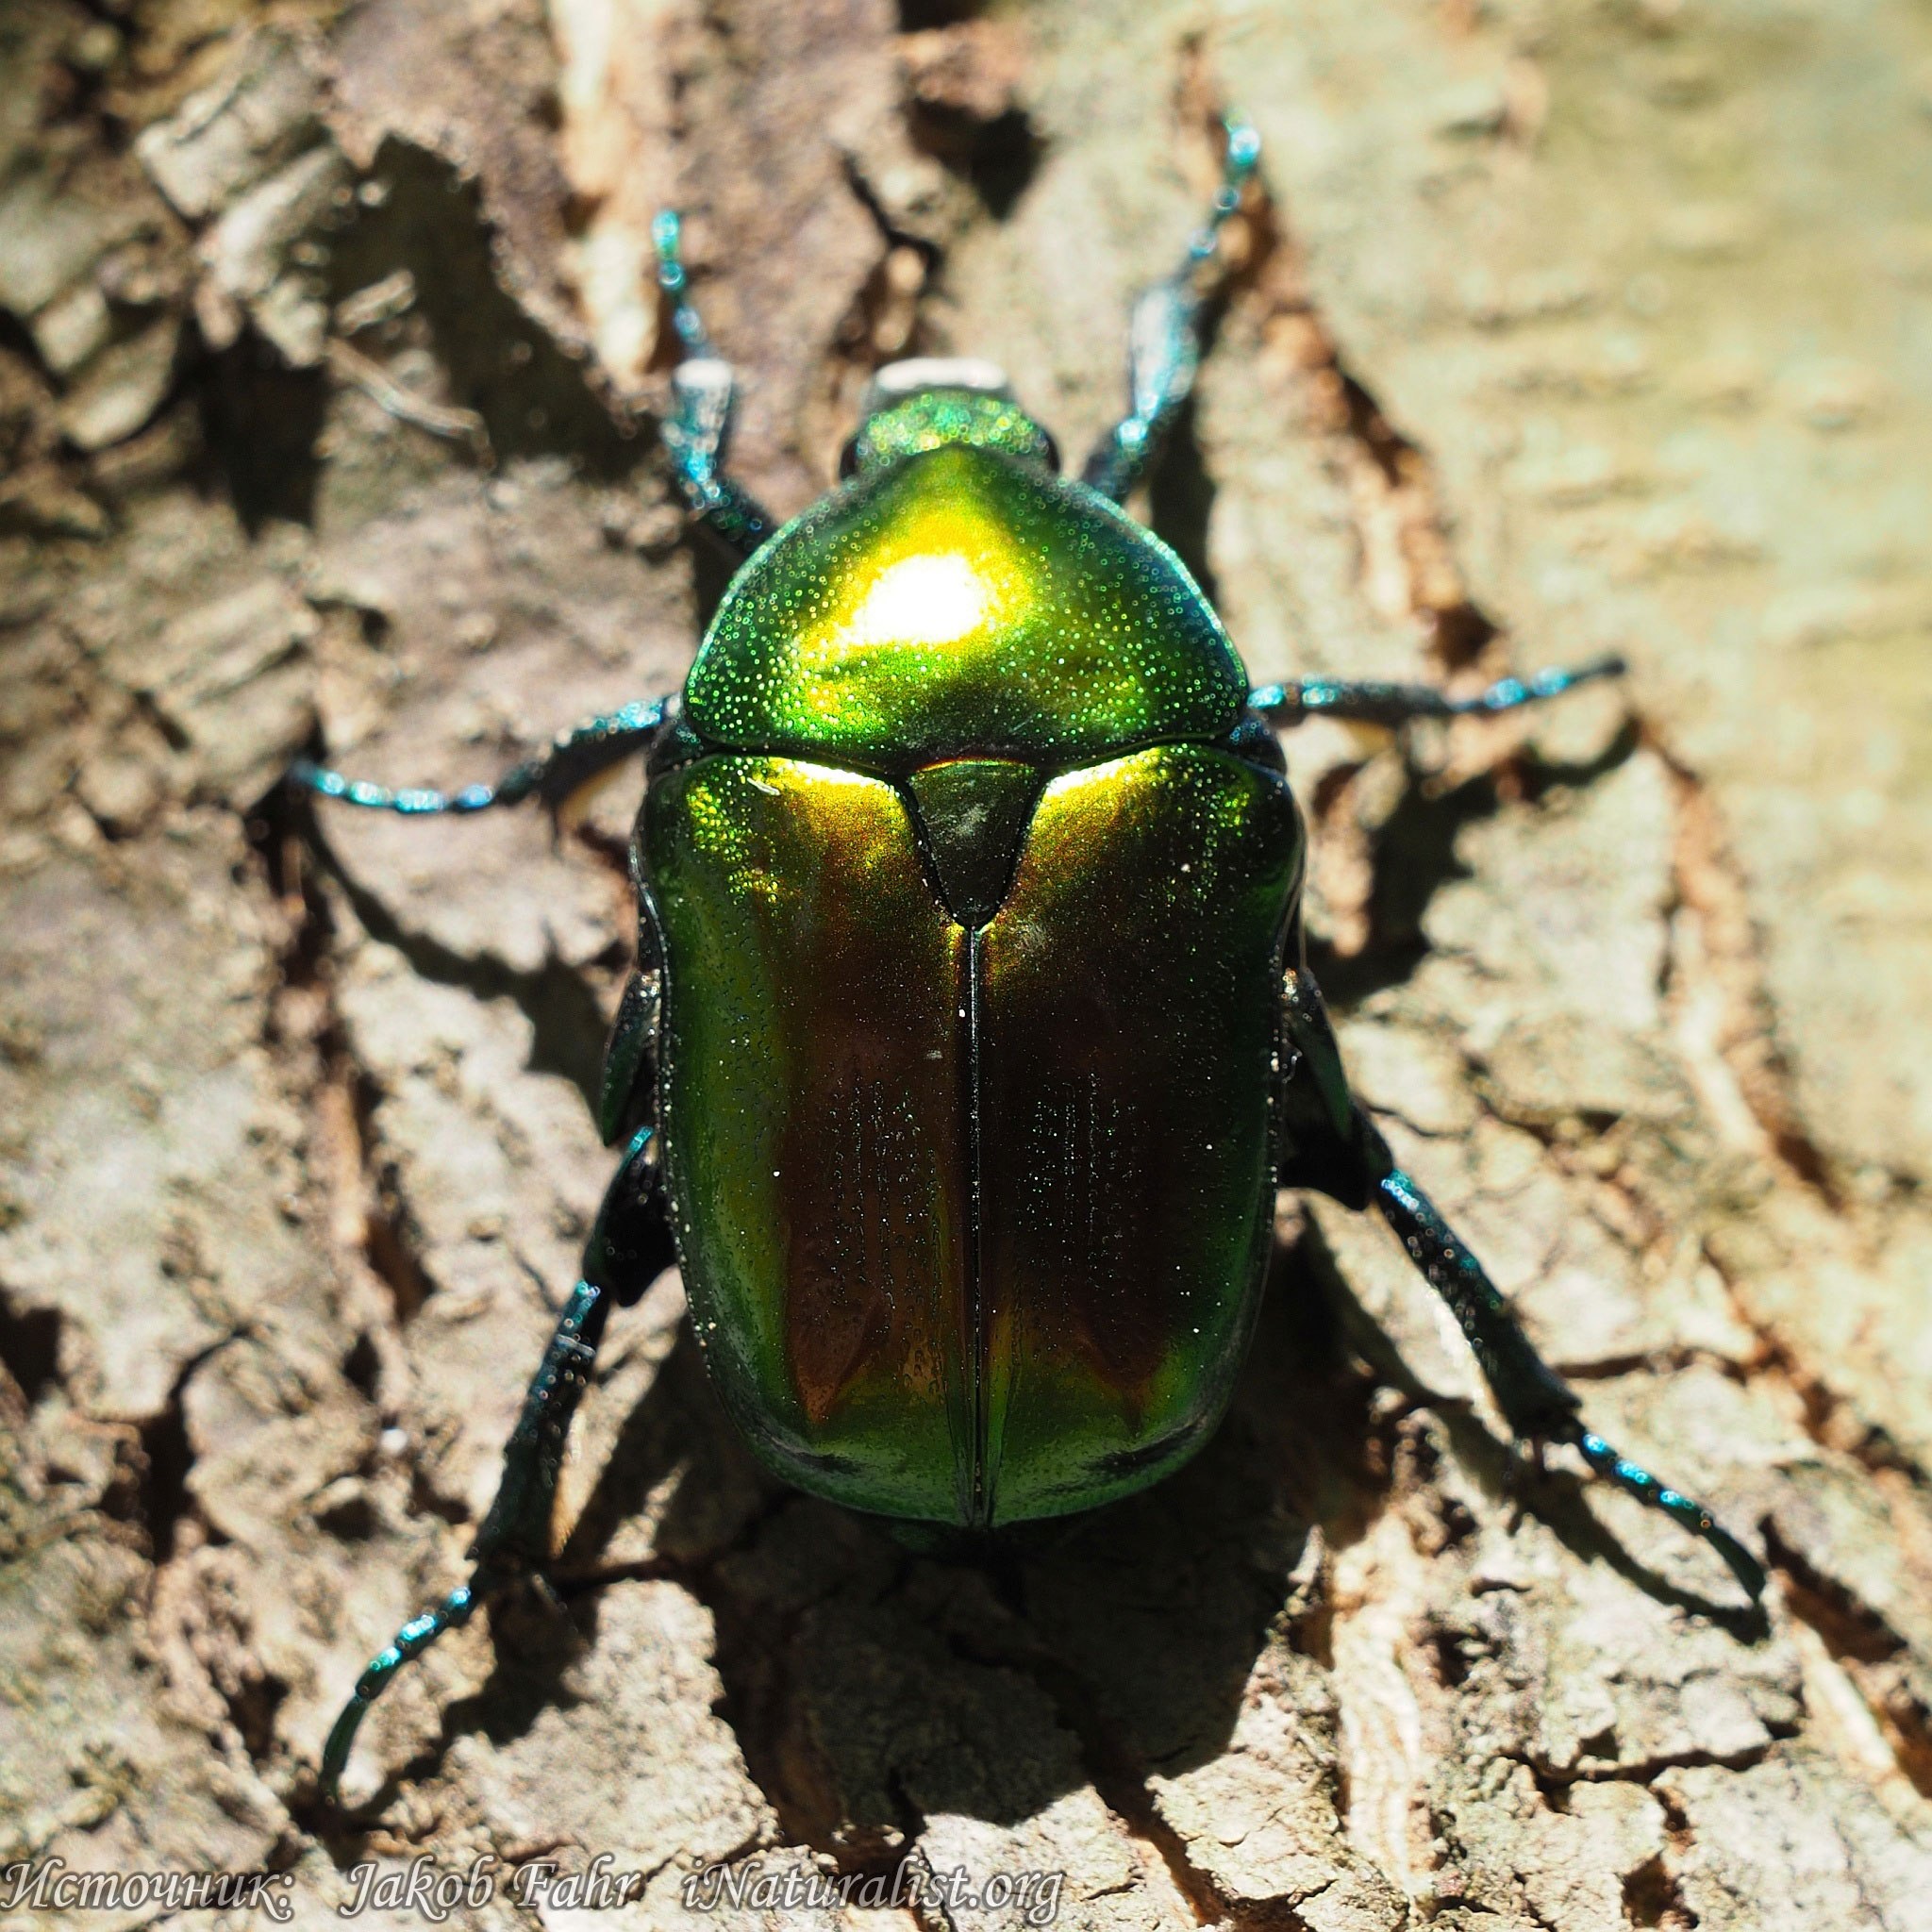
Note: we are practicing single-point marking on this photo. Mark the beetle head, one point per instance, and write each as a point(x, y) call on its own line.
point(926, 401)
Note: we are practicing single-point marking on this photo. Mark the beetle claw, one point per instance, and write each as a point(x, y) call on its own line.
point(1526, 1473)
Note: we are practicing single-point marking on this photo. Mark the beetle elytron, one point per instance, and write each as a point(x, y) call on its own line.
point(971, 1034)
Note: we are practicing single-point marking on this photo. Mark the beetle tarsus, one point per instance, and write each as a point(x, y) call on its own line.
point(1639, 1482)
point(577, 756)
point(411, 1640)
point(1363, 703)
point(1164, 337)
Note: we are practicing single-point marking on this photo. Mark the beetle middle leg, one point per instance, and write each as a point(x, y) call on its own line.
point(576, 757)
point(630, 1247)
point(1365, 702)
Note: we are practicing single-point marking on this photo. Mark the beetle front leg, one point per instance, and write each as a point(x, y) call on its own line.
point(1164, 340)
point(629, 1246)
point(1536, 1401)
point(575, 758)
point(701, 390)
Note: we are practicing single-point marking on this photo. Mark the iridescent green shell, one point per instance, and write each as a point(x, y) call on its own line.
point(962, 601)
point(972, 1222)
point(973, 920)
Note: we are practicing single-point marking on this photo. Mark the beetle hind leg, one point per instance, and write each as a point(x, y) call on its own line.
point(1536, 1401)
point(701, 390)
point(1329, 1143)
point(515, 1540)
point(629, 1246)
point(1164, 337)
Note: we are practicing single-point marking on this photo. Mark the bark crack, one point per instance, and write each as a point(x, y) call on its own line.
point(1740, 1027)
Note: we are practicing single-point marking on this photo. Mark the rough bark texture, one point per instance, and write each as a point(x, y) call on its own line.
point(324, 392)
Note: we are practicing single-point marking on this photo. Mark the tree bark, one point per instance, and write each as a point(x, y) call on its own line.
point(326, 395)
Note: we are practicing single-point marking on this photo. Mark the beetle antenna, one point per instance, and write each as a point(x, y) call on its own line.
point(577, 756)
point(411, 1640)
point(1638, 1481)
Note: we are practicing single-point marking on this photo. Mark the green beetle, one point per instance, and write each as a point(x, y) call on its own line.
point(971, 1035)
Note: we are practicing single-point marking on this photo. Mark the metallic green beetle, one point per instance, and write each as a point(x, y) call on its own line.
point(971, 1034)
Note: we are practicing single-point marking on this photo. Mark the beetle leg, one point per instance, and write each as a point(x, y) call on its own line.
point(1164, 338)
point(577, 757)
point(1328, 1142)
point(1318, 1125)
point(520, 1514)
point(1396, 704)
point(629, 1246)
point(1536, 1401)
point(702, 388)
point(626, 1089)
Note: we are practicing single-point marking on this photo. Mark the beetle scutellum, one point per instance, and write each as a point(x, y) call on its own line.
point(971, 1033)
